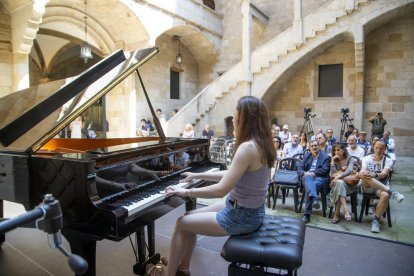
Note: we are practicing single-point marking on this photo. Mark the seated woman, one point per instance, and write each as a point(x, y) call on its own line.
point(244, 183)
point(303, 141)
point(342, 165)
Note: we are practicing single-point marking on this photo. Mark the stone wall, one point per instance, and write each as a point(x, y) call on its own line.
point(389, 81)
point(300, 91)
point(6, 68)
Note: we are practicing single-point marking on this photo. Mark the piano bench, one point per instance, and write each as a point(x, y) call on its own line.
point(276, 245)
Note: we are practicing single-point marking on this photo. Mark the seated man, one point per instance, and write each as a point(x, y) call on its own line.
point(353, 149)
point(375, 168)
point(363, 142)
point(390, 146)
point(315, 172)
point(290, 149)
point(329, 137)
point(349, 131)
point(323, 143)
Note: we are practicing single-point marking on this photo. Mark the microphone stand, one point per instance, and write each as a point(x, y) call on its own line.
point(48, 217)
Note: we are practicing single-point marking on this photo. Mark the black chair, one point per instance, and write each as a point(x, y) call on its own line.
point(289, 164)
point(366, 200)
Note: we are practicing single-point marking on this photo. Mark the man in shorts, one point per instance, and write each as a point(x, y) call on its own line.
point(374, 175)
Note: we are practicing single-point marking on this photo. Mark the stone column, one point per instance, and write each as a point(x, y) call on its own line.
point(21, 76)
point(359, 75)
point(246, 44)
point(297, 23)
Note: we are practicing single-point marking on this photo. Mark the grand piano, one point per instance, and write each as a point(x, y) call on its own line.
point(108, 188)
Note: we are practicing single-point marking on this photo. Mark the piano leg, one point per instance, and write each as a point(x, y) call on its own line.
point(190, 204)
point(140, 267)
point(83, 245)
point(2, 237)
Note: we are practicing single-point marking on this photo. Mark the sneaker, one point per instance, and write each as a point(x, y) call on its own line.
point(375, 226)
point(316, 204)
point(306, 218)
point(397, 196)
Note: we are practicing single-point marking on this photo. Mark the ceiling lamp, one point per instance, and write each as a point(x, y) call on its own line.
point(178, 58)
point(85, 51)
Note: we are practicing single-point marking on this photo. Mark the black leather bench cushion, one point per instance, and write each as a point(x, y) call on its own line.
point(278, 243)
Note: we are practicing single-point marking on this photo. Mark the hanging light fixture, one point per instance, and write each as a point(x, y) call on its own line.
point(178, 58)
point(85, 50)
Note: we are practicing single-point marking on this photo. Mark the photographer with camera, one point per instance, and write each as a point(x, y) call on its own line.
point(378, 123)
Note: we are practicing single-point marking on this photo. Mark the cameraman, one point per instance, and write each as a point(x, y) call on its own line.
point(378, 123)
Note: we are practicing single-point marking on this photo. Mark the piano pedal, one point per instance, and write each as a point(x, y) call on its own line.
point(140, 268)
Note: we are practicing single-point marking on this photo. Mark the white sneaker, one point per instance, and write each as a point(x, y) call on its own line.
point(397, 196)
point(375, 226)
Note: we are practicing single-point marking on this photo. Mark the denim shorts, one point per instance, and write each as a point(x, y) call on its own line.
point(237, 220)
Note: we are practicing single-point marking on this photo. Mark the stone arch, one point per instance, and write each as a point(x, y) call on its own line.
point(379, 16)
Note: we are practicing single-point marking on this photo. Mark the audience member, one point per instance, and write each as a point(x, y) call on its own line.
point(277, 143)
point(207, 132)
point(290, 149)
point(342, 165)
point(76, 127)
point(349, 131)
point(353, 149)
point(285, 135)
point(144, 128)
point(362, 141)
point(318, 131)
point(188, 131)
point(390, 145)
point(174, 111)
point(374, 139)
point(378, 123)
point(179, 160)
point(323, 145)
point(163, 120)
point(355, 132)
point(314, 171)
point(303, 141)
point(330, 138)
point(374, 173)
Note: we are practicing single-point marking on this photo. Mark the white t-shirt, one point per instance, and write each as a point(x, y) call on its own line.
point(358, 152)
point(369, 164)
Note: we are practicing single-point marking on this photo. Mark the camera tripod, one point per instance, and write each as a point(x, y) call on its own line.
point(308, 125)
point(345, 121)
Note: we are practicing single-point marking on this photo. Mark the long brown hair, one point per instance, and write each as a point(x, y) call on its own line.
point(254, 124)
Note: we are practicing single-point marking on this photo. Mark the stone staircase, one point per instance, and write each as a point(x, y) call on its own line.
point(275, 57)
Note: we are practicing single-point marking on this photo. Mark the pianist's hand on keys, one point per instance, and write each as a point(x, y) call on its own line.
point(171, 190)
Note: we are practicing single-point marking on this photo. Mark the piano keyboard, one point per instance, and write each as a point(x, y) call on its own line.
point(137, 202)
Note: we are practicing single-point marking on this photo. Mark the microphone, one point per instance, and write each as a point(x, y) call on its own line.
point(51, 223)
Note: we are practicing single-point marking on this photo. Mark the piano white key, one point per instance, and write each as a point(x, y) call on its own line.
point(148, 201)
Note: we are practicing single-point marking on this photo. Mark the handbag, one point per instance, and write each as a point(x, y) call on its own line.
point(286, 177)
point(351, 180)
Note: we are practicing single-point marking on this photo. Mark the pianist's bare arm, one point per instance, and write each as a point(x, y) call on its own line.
point(208, 176)
point(247, 157)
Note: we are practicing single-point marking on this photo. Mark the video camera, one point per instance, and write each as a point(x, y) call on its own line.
point(308, 114)
point(307, 110)
point(344, 110)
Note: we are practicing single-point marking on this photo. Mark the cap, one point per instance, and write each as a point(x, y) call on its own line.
point(285, 127)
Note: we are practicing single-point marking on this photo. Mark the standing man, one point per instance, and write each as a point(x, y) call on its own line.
point(163, 120)
point(289, 150)
point(315, 174)
point(374, 173)
point(378, 123)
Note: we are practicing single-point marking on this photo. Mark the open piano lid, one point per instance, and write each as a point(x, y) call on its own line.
point(30, 118)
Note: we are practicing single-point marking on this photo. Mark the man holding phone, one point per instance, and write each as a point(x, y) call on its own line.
point(378, 123)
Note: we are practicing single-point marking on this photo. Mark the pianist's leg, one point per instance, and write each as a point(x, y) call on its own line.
point(201, 221)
